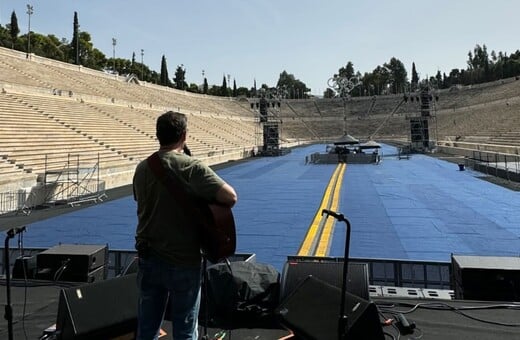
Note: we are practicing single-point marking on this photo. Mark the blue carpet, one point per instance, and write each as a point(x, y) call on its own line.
point(418, 209)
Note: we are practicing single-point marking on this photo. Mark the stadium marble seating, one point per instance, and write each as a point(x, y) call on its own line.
point(71, 109)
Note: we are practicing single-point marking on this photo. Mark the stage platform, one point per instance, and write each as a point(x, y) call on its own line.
point(419, 209)
point(405, 213)
point(434, 319)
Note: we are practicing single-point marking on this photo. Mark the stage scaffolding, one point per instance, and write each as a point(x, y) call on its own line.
point(268, 128)
point(73, 184)
point(423, 126)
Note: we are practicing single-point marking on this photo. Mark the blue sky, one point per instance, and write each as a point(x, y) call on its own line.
point(258, 39)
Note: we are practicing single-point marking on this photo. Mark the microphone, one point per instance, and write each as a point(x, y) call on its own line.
point(186, 150)
point(15, 231)
point(337, 216)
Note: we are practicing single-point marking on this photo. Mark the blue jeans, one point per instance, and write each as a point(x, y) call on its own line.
point(156, 280)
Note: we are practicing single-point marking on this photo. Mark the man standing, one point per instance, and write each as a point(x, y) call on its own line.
point(167, 240)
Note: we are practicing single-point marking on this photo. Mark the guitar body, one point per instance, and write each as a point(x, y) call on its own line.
point(217, 231)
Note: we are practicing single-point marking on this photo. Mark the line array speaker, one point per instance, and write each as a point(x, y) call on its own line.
point(419, 129)
point(271, 136)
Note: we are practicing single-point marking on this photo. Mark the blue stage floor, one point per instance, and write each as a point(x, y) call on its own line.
point(417, 209)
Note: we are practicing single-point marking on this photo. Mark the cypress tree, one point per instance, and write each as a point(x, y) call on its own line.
point(205, 86)
point(14, 29)
point(223, 89)
point(164, 79)
point(74, 44)
point(415, 77)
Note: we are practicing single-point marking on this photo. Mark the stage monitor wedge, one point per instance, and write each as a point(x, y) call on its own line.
point(312, 312)
point(102, 310)
point(331, 272)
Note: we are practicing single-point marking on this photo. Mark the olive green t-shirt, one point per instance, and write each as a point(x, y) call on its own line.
point(163, 224)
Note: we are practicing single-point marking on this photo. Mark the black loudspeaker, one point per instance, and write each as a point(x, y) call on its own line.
point(489, 278)
point(101, 310)
point(329, 271)
point(72, 262)
point(24, 267)
point(312, 311)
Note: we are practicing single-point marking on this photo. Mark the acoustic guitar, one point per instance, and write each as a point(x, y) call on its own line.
point(217, 232)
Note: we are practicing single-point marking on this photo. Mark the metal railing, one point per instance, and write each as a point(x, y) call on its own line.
point(382, 272)
point(12, 200)
point(23, 200)
point(501, 165)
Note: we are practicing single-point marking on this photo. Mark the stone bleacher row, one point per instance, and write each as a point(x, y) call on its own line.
point(16, 69)
point(39, 132)
point(51, 110)
point(486, 112)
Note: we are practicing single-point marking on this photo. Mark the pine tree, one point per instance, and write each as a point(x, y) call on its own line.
point(179, 79)
point(14, 29)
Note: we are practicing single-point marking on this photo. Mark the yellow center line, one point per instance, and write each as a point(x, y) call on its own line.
point(306, 246)
point(328, 229)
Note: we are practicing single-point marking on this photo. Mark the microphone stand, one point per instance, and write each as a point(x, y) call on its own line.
point(8, 309)
point(343, 318)
point(205, 292)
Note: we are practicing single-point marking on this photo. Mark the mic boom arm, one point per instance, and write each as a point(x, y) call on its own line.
point(15, 231)
point(337, 216)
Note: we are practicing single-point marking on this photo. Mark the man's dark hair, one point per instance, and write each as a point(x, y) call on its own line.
point(170, 127)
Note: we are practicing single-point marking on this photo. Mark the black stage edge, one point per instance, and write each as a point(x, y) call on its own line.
point(42, 305)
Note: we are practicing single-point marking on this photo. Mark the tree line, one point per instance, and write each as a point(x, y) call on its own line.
point(81, 51)
point(389, 78)
point(392, 77)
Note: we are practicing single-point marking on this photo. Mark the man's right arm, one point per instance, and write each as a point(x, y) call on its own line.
point(226, 195)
